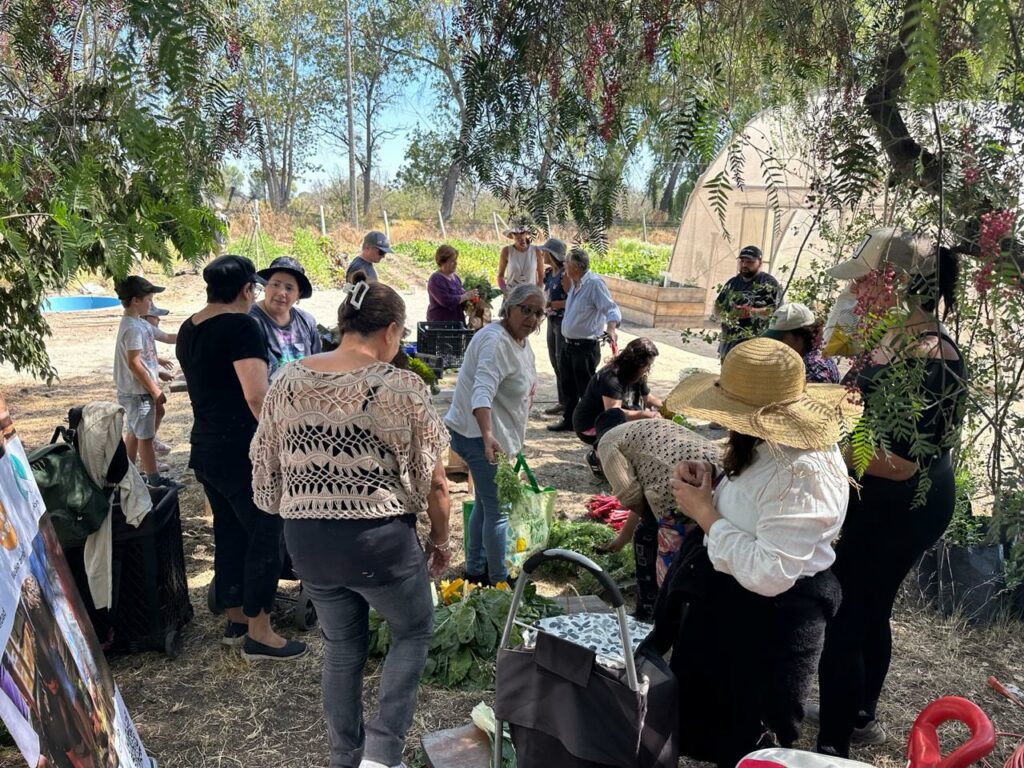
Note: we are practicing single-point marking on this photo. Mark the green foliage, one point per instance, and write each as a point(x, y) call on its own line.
point(629, 259)
point(965, 529)
point(314, 253)
point(113, 124)
point(587, 538)
point(1008, 526)
point(464, 645)
point(510, 486)
point(427, 159)
point(481, 285)
point(422, 370)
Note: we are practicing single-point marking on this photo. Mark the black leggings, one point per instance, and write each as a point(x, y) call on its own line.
point(882, 538)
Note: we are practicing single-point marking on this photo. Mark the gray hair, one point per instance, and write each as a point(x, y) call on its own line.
point(519, 295)
point(580, 258)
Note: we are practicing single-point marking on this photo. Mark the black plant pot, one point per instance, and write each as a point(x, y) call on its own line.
point(970, 581)
point(928, 576)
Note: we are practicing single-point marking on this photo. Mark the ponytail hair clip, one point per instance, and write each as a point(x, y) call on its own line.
point(354, 293)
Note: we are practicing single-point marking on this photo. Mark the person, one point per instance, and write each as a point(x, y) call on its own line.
point(589, 312)
point(444, 289)
point(488, 415)
point(348, 453)
point(290, 331)
point(795, 326)
point(638, 458)
point(222, 353)
point(138, 386)
point(756, 586)
point(375, 247)
point(555, 286)
point(520, 263)
point(907, 491)
point(620, 385)
point(161, 367)
point(746, 300)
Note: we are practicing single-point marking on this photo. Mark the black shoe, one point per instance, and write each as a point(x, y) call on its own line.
point(554, 409)
point(595, 464)
point(560, 426)
point(476, 578)
point(292, 649)
point(235, 634)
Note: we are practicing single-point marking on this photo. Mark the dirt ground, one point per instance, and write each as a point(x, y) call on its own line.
point(210, 708)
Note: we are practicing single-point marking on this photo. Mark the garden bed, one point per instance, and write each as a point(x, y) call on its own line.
point(653, 306)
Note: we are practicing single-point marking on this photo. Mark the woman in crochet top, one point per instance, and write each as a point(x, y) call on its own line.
point(348, 453)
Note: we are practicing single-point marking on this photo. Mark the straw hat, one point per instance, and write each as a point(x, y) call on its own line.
point(762, 392)
point(521, 225)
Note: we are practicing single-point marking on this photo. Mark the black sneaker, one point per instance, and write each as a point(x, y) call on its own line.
point(234, 634)
point(163, 482)
point(560, 426)
point(292, 649)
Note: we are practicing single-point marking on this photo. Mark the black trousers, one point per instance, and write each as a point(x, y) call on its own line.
point(645, 556)
point(555, 344)
point(578, 363)
point(882, 538)
point(247, 555)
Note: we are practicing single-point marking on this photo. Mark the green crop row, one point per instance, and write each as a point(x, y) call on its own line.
point(628, 259)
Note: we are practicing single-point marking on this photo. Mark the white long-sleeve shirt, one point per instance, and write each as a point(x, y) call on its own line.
point(779, 518)
point(499, 374)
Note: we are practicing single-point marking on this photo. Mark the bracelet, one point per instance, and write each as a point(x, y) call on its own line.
point(442, 547)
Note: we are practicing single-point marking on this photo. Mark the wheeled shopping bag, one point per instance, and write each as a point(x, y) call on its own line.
point(566, 708)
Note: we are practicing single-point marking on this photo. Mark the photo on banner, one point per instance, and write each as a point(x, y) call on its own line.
point(58, 698)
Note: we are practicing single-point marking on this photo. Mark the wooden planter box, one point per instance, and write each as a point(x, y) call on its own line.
point(655, 307)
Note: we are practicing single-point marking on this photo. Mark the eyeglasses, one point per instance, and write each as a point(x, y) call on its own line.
point(530, 311)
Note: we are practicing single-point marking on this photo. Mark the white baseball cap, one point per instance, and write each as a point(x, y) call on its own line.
point(901, 248)
point(788, 317)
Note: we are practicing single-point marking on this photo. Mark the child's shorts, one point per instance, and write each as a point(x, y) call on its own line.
point(139, 415)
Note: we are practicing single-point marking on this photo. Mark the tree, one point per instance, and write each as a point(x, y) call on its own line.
point(378, 71)
point(431, 38)
point(427, 160)
point(113, 124)
point(287, 83)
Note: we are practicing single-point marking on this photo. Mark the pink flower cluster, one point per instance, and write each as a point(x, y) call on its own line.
point(598, 41)
point(995, 227)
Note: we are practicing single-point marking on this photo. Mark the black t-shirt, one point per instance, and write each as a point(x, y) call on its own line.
point(223, 425)
point(761, 291)
point(605, 383)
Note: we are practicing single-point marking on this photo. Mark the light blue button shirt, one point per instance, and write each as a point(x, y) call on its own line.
point(589, 308)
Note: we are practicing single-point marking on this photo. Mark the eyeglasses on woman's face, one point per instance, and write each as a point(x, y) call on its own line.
point(528, 311)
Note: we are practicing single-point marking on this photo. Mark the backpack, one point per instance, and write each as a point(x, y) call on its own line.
point(77, 505)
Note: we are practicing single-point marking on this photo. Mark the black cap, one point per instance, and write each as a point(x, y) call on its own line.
point(378, 240)
point(293, 268)
point(231, 272)
point(750, 252)
point(135, 287)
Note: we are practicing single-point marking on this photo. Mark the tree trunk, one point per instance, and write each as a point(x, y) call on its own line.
point(451, 182)
point(669, 193)
point(369, 152)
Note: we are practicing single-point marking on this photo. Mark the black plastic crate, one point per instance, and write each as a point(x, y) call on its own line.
point(446, 339)
point(151, 601)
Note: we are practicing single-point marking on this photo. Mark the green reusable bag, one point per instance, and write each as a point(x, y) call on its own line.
point(77, 506)
point(529, 520)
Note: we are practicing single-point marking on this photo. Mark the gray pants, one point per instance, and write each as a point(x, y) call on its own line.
point(343, 615)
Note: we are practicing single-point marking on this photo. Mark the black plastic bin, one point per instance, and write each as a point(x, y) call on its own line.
point(150, 600)
point(446, 339)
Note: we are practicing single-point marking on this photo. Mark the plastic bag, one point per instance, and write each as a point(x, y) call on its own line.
point(529, 520)
point(839, 327)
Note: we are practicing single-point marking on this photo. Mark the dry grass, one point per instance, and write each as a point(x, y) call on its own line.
point(211, 709)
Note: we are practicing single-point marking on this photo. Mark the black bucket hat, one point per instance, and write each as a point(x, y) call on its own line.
point(293, 268)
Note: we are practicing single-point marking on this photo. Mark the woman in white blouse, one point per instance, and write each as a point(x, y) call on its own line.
point(756, 585)
point(488, 415)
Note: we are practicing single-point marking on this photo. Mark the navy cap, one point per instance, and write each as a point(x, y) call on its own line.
point(293, 268)
point(135, 287)
point(231, 272)
point(378, 240)
point(750, 252)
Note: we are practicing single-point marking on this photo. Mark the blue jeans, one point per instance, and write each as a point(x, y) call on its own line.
point(343, 613)
point(488, 523)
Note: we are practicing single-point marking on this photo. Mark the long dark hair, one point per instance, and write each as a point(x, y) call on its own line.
point(940, 284)
point(631, 361)
point(739, 453)
point(810, 335)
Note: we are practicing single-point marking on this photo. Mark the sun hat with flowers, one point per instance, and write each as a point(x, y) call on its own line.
point(520, 224)
point(762, 392)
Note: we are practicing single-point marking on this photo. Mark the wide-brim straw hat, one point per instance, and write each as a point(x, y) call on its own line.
point(762, 392)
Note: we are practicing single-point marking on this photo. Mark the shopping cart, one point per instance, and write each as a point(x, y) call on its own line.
point(566, 707)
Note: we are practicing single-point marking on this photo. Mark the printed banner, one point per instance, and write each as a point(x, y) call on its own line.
point(58, 698)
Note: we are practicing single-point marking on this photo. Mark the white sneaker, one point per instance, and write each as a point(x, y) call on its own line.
point(375, 764)
point(159, 446)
